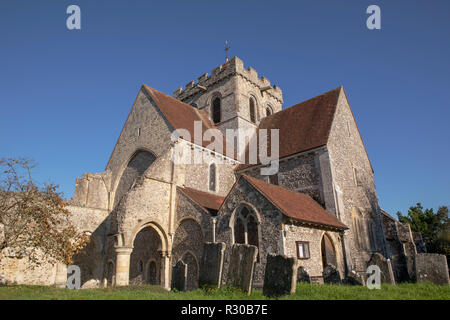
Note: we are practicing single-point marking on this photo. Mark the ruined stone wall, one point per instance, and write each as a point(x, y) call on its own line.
point(354, 186)
point(20, 271)
point(90, 259)
point(269, 229)
point(312, 265)
point(92, 190)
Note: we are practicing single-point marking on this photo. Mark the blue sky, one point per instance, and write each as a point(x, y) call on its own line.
point(65, 95)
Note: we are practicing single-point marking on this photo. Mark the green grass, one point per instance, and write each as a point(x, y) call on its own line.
point(404, 291)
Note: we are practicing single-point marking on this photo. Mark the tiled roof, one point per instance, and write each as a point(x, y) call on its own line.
point(204, 199)
point(298, 206)
point(303, 127)
point(182, 116)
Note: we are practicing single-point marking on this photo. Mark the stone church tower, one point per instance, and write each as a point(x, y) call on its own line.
point(233, 97)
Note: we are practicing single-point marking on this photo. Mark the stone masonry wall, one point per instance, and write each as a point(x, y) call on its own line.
point(270, 233)
point(145, 129)
point(353, 176)
point(314, 236)
point(300, 173)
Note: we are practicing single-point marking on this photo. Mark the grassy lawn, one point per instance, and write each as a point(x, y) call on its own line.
point(404, 291)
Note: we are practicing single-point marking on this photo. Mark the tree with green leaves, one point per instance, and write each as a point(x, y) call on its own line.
point(434, 227)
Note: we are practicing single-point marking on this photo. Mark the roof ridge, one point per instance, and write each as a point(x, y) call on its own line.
point(298, 104)
point(252, 181)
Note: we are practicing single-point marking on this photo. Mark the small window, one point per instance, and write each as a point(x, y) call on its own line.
point(141, 266)
point(302, 249)
point(216, 110)
point(268, 111)
point(252, 110)
point(212, 177)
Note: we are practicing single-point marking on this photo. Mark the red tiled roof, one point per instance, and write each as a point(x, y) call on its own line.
point(298, 206)
point(204, 199)
point(182, 116)
point(303, 126)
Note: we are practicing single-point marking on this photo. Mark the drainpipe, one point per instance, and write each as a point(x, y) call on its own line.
point(213, 230)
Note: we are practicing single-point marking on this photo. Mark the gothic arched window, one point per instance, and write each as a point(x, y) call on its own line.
point(246, 227)
point(252, 110)
point(268, 111)
point(212, 177)
point(216, 110)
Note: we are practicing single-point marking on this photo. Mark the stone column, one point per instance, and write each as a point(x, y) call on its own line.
point(123, 265)
point(165, 270)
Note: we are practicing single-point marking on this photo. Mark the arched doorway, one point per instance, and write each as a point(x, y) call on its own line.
point(328, 251)
point(146, 247)
point(192, 271)
point(188, 247)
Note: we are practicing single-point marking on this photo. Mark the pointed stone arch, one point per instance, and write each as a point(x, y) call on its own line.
point(328, 251)
point(133, 169)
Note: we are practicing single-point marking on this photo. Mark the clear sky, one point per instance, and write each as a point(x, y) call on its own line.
point(65, 94)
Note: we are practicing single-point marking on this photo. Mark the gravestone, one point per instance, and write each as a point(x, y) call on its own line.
point(242, 264)
point(331, 274)
point(431, 267)
point(179, 276)
point(280, 277)
point(303, 275)
point(354, 279)
point(387, 275)
point(211, 264)
point(2, 280)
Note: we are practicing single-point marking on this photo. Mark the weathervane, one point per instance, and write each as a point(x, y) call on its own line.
point(227, 47)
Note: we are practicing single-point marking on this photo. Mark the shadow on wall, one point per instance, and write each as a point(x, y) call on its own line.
point(91, 259)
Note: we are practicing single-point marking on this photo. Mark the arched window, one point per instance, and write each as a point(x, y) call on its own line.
point(252, 110)
point(212, 177)
point(140, 266)
point(268, 111)
point(216, 110)
point(246, 227)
